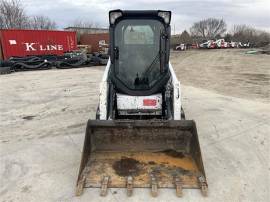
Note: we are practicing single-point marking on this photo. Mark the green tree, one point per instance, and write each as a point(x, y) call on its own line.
point(185, 38)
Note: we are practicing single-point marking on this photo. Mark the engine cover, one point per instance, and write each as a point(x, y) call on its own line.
point(139, 105)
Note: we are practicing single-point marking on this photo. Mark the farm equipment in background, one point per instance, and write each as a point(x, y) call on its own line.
point(194, 46)
point(204, 45)
point(243, 45)
point(221, 43)
point(181, 47)
point(210, 44)
point(233, 44)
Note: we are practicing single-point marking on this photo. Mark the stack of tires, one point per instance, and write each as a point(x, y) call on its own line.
point(43, 62)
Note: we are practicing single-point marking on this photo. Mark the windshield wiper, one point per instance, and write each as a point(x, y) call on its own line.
point(157, 57)
point(150, 67)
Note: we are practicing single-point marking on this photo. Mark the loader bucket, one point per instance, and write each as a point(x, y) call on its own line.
point(141, 154)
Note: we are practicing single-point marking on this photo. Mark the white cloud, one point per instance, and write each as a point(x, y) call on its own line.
point(185, 12)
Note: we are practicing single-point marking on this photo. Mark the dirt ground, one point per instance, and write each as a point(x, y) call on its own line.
point(43, 116)
point(228, 71)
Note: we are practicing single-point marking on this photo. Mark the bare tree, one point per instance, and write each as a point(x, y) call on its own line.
point(245, 34)
point(78, 25)
point(209, 28)
point(12, 15)
point(263, 39)
point(41, 22)
point(84, 24)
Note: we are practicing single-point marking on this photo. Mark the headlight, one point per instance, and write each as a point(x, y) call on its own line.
point(166, 15)
point(114, 15)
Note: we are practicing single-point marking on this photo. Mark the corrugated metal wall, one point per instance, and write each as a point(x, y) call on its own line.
point(94, 40)
point(36, 42)
point(1, 53)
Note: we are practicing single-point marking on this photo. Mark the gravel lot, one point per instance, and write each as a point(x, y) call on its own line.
point(230, 72)
point(44, 114)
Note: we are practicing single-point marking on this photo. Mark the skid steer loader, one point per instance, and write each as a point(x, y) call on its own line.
point(140, 137)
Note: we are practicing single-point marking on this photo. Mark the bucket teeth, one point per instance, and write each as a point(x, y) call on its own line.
point(129, 186)
point(80, 186)
point(203, 185)
point(154, 186)
point(104, 185)
point(178, 186)
point(152, 154)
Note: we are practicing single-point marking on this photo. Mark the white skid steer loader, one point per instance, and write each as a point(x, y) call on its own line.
point(140, 137)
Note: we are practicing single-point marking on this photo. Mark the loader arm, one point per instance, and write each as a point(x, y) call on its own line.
point(103, 94)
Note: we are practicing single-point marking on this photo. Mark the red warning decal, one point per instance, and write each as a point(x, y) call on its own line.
point(149, 102)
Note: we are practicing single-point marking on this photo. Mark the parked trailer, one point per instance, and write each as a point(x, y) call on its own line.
point(22, 43)
point(98, 42)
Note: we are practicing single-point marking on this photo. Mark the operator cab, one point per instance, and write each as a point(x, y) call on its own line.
point(139, 51)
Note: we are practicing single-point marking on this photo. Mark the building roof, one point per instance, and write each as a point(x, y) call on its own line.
point(92, 28)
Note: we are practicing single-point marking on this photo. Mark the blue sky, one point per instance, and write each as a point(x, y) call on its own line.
point(185, 12)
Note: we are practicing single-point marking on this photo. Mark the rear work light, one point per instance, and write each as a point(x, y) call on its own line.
point(113, 15)
point(166, 15)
